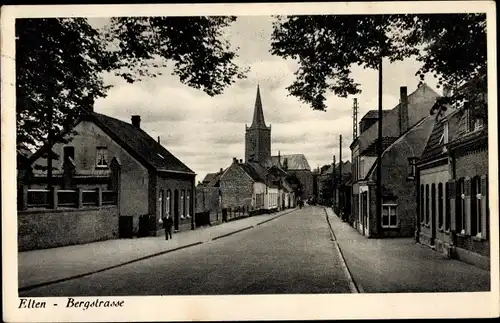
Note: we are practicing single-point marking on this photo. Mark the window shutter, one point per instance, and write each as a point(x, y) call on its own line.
point(484, 207)
point(452, 195)
point(467, 188)
point(467, 211)
point(451, 190)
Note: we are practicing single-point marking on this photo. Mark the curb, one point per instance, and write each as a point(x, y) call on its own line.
point(26, 288)
point(355, 288)
point(61, 280)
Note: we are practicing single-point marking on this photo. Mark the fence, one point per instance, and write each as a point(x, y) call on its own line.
point(56, 198)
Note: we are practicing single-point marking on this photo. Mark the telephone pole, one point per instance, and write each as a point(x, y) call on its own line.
point(341, 200)
point(333, 182)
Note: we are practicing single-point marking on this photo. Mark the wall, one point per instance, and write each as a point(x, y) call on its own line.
point(172, 182)
point(236, 187)
point(469, 165)
point(443, 239)
point(366, 163)
point(40, 229)
point(258, 142)
point(395, 181)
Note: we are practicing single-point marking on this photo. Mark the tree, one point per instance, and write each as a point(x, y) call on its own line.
point(327, 47)
point(60, 63)
point(455, 52)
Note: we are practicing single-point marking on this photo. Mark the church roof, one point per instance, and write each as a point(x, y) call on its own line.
point(258, 114)
point(292, 162)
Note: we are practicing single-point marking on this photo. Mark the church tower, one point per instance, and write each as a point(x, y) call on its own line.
point(258, 136)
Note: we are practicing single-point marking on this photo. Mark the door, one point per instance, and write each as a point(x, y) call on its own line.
point(176, 210)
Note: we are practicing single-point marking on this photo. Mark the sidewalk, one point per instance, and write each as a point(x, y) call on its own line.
point(42, 267)
point(402, 265)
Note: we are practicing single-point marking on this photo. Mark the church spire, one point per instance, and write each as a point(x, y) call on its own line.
point(258, 114)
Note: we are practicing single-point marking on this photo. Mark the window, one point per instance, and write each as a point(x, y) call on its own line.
point(433, 205)
point(68, 152)
point(168, 206)
point(476, 214)
point(102, 157)
point(412, 167)
point(188, 203)
point(422, 204)
point(440, 206)
point(183, 204)
point(389, 217)
point(427, 205)
point(478, 124)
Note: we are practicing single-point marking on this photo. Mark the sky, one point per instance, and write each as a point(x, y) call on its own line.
point(207, 132)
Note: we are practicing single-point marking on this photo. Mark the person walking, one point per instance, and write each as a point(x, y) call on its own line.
point(168, 223)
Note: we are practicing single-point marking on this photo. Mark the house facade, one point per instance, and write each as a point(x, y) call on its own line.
point(411, 111)
point(453, 187)
point(152, 182)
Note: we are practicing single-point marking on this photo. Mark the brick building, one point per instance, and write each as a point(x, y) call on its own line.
point(410, 112)
point(453, 187)
point(152, 181)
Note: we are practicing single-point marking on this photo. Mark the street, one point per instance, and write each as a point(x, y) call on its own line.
point(292, 254)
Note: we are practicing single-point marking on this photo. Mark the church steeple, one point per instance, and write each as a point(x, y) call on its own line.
point(258, 114)
point(258, 136)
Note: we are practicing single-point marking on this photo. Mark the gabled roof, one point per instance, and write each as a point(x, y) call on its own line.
point(373, 114)
point(420, 102)
point(208, 178)
point(371, 150)
point(292, 162)
point(136, 140)
point(424, 126)
point(257, 173)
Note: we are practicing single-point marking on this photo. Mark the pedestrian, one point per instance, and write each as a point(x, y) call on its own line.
point(168, 223)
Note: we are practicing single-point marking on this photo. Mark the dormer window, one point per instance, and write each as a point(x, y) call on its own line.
point(444, 137)
point(478, 124)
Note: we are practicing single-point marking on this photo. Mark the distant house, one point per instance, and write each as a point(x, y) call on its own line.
point(453, 187)
point(252, 185)
point(411, 111)
point(153, 182)
point(296, 164)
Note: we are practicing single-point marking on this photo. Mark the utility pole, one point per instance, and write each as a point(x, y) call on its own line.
point(333, 182)
point(379, 150)
point(340, 178)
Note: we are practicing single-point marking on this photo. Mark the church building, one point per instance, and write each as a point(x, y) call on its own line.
point(262, 181)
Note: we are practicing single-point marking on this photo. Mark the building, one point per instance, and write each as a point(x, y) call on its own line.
point(411, 111)
point(152, 183)
point(261, 181)
point(453, 186)
point(297, 165)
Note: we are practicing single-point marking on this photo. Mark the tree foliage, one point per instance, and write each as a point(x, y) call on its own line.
point(451, 46)
point(60, 63)
point(327, 47)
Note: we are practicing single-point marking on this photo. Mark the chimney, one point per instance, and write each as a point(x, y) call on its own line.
point(220, 171)
point(241, 161)
point(403, 110)
point(136, 121)
point(235, 160)
point(158, 139)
